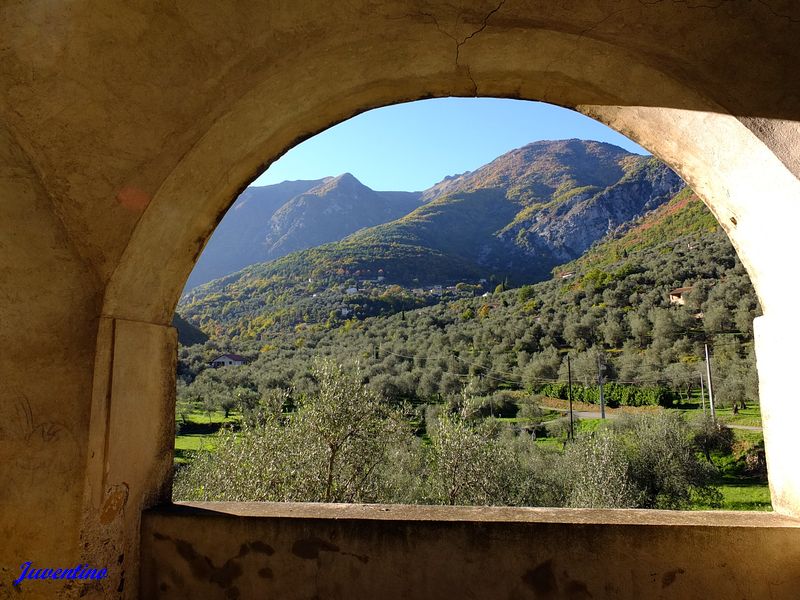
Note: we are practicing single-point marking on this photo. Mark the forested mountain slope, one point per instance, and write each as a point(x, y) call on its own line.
point(237, 240)
point(512, 220)
point(612, 302)
point(266, 223)
point(330, 211)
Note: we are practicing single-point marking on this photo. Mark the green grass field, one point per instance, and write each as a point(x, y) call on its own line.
point(743, 496)
point(739, 491)
point(750, 416)
point(196, 431)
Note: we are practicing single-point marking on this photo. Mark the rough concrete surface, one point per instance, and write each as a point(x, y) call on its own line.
point(128, 127)
point(360, 552)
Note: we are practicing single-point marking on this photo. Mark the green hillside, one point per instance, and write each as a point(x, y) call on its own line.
point(188, 334)
point(486, 373)
point(613, 302)
point(511, 221)
point(684, 215)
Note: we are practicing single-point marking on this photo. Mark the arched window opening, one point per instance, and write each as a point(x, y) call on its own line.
point(532, 331)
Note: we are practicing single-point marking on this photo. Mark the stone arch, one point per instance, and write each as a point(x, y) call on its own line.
point(726, 163)
point(177, 107)
point(716, 153)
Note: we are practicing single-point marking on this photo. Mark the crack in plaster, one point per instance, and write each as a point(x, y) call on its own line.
point(459, 43)
point(483, 26)
point(763, 3)
point(687, 4)
point(776, 13)
point(585, 32)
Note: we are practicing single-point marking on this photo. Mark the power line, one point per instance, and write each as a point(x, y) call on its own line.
point(489, 375)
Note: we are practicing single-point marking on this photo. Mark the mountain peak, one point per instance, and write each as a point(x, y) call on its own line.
point(525, 211)
point(345, 183)
point(538, 170)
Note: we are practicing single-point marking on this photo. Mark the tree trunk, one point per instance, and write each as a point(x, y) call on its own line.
point(329, 483)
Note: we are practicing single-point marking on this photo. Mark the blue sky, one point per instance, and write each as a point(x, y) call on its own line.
point(411, 146)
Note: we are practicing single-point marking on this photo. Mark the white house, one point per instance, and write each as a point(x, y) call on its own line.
point(678, 295)
point(228, 360)
point(351, 290)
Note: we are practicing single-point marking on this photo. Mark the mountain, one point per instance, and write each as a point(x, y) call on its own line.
point(564, 228)
point(543, 171)
point(683, 218)
point(541, 206)
point(519, 216)
point(188, 334)
point(331, 211)
point(613, 302)
point(237, 240)
point(266, 223)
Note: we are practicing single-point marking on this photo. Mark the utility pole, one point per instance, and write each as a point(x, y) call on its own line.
point(710, 388)
point(702, 395)
point(600, 384)
point(569, 395)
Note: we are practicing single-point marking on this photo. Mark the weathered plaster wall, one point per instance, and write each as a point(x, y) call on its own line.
point(126, 129)
point(49, 302)
point(130, 446)
point(357, 552)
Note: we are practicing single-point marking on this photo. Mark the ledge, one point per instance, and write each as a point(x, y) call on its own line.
point(296, 551)
point(485, 514)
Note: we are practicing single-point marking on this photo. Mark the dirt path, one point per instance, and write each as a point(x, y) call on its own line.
point(582, 410)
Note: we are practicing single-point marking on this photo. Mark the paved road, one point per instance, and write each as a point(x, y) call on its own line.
point(584, 414)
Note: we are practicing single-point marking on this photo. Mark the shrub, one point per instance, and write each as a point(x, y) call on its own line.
point(615, 394)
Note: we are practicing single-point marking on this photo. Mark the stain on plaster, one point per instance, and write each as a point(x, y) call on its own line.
point(543, 582)
point(577, 590)
point(134, 199)
point(542, 579)
point(265, 573)
point(116, 499)
point(669, 577)
point(261, 547)
point(309, 548)
point(204, 569)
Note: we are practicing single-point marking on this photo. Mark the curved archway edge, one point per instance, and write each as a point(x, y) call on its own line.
point(738, 176)
point(182, 137)
point(742, 181)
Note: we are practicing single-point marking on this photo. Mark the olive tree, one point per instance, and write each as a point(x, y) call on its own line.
point(598, 472)
point(334, 448)
point(467, 465)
